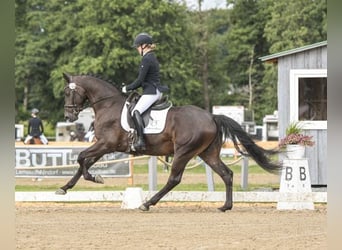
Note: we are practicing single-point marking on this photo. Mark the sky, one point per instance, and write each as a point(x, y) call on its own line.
point(207, 4)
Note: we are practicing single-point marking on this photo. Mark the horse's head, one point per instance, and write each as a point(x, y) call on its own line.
point(74, 98)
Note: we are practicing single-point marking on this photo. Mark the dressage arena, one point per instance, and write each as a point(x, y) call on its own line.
point(168, 225)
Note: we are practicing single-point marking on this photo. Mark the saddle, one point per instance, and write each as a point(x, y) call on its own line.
point(132, 99)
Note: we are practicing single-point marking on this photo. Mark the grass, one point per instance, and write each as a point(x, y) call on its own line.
point(252, 169)
point(218, 187)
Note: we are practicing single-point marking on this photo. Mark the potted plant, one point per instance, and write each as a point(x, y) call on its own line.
point(295, 141)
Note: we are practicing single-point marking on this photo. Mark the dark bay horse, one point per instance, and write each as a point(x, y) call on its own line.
point(189, 132)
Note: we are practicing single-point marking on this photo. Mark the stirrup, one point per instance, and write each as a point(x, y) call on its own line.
point(139, 146)
point(136, 149)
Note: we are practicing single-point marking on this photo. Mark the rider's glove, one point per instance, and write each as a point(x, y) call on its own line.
point(124, 90)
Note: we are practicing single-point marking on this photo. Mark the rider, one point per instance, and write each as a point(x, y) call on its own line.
point(35, 128)
point(149, 80)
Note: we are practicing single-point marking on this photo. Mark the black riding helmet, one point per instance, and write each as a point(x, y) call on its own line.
point(142, 38)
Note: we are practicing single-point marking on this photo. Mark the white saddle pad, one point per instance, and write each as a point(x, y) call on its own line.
point(156, 123)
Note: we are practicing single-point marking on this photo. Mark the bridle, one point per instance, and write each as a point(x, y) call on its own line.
point(73, 92)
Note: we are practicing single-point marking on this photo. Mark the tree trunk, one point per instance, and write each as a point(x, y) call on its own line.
point(204, 49)
point(250, 86)
point(26, 92)
point(205, 74)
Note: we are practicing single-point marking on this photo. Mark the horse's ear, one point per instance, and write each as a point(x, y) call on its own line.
point(67, 77)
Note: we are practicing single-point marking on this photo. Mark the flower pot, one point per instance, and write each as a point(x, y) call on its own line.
point(295, 151)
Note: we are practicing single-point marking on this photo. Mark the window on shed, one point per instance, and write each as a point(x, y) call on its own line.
point(308, 97)
point(312, 97)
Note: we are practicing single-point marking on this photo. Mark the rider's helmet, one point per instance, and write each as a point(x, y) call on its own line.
point(35, 111)
point(142, 38)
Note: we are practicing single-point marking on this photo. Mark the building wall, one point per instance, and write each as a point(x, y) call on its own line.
point(310, 59)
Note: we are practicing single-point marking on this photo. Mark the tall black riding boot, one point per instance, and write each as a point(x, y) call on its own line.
point(139, 126)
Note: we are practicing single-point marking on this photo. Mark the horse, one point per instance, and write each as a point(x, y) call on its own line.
point(35, 140)
point(189, 132)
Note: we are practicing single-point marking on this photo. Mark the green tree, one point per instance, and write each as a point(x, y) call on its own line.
point(209, 29)
point(81, 36)
point(264, 27)
point(245, 45)
point(289, 25)
point(296, 23)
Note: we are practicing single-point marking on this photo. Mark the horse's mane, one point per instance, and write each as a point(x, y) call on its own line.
point(110, 81)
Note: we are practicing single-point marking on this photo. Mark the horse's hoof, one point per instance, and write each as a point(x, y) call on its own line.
point(144, 208)
point(60, 192)
point(224, 209)
point(99, 179)
point(221, 209)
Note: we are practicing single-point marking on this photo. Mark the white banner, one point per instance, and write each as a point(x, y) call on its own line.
point(62, 162)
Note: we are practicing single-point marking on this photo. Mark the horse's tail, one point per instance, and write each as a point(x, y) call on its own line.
point(228, 128)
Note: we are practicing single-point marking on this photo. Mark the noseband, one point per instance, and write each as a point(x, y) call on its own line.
point(75, 108)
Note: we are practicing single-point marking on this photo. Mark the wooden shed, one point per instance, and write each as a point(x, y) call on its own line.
point(302, 96)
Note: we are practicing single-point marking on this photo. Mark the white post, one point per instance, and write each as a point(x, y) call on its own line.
point(132, 198)
point(295, 185)
point(210, 179)
point(244, 172)
point(152, 173)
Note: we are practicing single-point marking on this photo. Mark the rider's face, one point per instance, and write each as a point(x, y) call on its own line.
point(139, 49)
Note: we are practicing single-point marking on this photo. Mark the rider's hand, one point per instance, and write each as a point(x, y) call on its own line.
point(124, 90)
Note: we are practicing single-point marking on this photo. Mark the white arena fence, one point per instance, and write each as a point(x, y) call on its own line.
point(181, 196)
point(210, 195)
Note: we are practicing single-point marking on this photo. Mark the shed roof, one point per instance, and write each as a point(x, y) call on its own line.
point(275, 56)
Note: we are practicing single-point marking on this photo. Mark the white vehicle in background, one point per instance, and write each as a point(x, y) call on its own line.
point(79, 130)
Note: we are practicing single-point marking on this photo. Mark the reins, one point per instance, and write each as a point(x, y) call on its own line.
point(101, 99)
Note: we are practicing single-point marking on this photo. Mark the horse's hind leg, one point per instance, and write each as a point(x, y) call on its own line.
point(175, 178)
point(226, 174)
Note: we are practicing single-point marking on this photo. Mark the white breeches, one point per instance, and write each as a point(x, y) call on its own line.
point(42, 138)
point(146, 101)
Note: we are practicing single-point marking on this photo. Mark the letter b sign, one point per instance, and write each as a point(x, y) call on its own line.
point(289, 173)
point(302, 173)
point(295, 176)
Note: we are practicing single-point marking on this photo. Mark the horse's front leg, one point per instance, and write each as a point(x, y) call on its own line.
point(71, 183)
point(86, 159)
point(87, 163)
